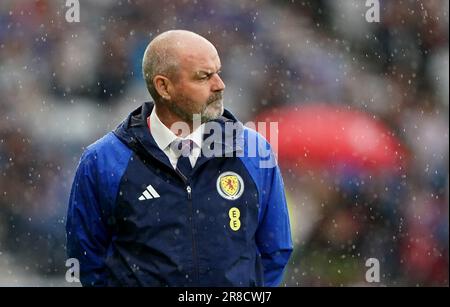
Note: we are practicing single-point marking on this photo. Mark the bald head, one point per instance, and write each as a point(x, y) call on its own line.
point(166, 53)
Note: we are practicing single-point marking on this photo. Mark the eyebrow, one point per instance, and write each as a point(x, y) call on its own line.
point(206, 72)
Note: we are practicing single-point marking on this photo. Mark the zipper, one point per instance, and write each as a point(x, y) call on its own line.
point(191, 218)
point(194, 242)
point(191, 221)
point(189, 190)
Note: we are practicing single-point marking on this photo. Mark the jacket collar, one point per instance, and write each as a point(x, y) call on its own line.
point(164, 136)
point(134, 132)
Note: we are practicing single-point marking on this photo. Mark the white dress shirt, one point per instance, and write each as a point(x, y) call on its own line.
point(164, 137)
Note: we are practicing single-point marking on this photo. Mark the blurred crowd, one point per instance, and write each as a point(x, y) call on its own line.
point(63, 85)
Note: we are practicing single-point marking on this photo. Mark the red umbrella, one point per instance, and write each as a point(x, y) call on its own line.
point(320, 135)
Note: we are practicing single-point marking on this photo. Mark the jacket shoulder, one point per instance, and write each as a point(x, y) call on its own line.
point(106, 160)
point(257, 150)
point(107, 145)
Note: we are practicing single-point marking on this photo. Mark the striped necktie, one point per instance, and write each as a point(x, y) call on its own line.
point(185, 149)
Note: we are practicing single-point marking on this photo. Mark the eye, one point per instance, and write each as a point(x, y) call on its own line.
point(205, 77)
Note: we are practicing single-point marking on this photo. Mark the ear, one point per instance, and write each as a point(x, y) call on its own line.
point(162, 85)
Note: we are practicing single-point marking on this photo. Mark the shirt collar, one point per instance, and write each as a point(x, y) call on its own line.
point(163, 136)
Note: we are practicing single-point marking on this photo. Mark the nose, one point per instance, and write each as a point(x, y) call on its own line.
point(217, 85)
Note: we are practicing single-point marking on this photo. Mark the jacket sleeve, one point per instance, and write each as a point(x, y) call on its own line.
point(273, 236)
point(87, 235)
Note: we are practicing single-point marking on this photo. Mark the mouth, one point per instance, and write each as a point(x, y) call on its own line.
point(216, 99)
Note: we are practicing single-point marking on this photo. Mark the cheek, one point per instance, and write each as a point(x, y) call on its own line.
point(192, 97)
point(190, 101)
point(198, 94)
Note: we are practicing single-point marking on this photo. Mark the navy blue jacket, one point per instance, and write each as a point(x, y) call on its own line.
point(135, 221)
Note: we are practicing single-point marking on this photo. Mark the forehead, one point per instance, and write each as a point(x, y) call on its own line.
point(201, 57)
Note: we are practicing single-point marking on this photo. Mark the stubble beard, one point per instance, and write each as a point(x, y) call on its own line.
point(212, 109)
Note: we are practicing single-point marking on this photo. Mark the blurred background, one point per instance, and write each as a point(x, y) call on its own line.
point(362, 111)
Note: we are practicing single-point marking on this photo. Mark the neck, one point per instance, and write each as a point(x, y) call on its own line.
point(168, 118)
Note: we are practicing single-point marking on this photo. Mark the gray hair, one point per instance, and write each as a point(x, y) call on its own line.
point(159, 59)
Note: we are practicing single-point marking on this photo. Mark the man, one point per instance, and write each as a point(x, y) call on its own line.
point(150, 206)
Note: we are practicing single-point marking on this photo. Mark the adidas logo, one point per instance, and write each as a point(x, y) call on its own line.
point(149, 193)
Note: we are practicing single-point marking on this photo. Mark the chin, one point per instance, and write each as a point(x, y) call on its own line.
point(214, 110)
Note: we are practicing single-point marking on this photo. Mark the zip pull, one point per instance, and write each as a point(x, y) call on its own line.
point(189, 190)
